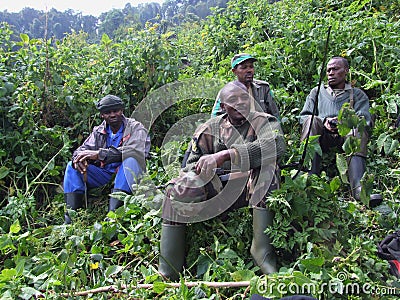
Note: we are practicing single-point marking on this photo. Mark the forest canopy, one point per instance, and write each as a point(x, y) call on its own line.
point(57, 24)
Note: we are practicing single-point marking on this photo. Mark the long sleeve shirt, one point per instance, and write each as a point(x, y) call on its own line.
point(330, 103)
point(133, 143)
point(258, 140)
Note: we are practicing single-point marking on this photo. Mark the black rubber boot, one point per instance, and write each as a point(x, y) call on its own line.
point(315, 165)
point(115, 203)
point(261, 249)
point(356, 171)
point(73, 201)
point(172, 251)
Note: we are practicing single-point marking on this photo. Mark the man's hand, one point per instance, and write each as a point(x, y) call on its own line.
point(207, 164)
point(81, 160)
point(331, 124)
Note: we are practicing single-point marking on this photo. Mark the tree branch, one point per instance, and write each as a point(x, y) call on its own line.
point(119, 289)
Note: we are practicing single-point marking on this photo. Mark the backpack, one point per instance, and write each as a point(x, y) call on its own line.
point(389, 249)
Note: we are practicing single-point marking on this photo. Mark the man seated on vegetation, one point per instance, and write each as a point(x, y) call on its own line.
point(117, 146)
point(330, 100)
point(244, 146)
point(263, 100)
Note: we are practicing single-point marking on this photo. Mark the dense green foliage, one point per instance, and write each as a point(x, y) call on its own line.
point(114, 23)
point(323, 238)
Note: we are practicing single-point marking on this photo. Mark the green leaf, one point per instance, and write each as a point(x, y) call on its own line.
point(159, 287)
point(391, 106)
point(112, 270)
point(367, 183)
point(373, 84)
point(393, 147)
point(4, 172)
point(300, 278)
point(7, 296)
point(351, 208)
point(96, 234)
point(228, 253)
point(6, 243)
point(203, 264)
point(351, 145)
point(151, 278)
point(3, 91)
point(18, 159)
point(24, 37)
point(341, 164)
point(390, 145)
point(242, 275)
point(96, 257)
point(20, 266)
point(29, 292)
point(387, 145)
point(334, 184)
point(7, 275)
point(381, 141)
point(313, 264)
point(9, 86)
point(105, 39)
point(15, 227)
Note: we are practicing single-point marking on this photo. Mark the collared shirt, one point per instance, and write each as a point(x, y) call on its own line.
point(252, 105)
point(330, 102)
point(337, 92)
point(114, 139)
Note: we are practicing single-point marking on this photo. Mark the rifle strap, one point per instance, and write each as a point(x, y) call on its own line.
point(351, 98)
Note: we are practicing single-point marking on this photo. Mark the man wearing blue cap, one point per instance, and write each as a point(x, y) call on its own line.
point(117, 146)
point(243, 67)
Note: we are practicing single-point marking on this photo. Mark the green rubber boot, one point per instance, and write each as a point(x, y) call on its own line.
point(356, 170)
point(172, 251)
point(114, 203)
point(261, 249)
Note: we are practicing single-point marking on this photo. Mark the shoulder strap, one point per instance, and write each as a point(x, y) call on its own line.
point(256, 90)
point(351, 98)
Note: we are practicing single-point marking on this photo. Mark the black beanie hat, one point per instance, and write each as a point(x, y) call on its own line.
point(108, 103)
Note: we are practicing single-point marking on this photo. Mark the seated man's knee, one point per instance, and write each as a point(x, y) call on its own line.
point(316, 127)
point(131, 167)
point(69, 169)
point(131, 162)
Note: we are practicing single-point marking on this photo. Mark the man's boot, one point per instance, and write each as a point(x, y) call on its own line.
point(261, 249)
point(356, 171)
point(315, 165)
point(73, 201)
point(172, 251)
point(113, 202)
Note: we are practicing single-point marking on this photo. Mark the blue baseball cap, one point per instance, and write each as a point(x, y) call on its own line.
point(241, 57)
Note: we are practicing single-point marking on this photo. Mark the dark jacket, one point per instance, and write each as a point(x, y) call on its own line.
point(134, 143)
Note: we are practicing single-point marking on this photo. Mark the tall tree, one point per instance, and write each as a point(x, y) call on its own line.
point(112, 20)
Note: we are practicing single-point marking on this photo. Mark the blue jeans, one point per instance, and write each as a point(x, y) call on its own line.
point(127, 173)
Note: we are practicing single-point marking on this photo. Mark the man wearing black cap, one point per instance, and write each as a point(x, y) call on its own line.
point(117, 146)
point(243, 67)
